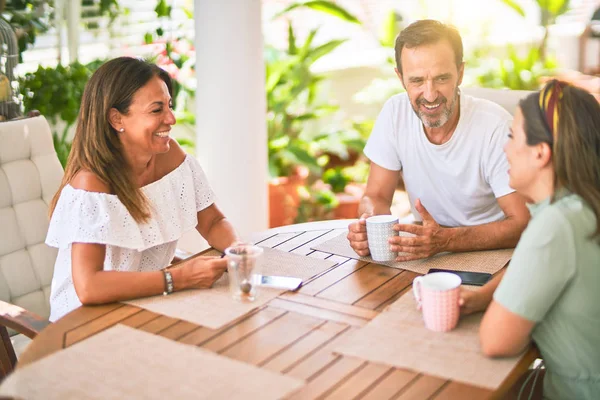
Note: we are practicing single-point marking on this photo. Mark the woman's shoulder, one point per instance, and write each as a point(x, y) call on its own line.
point(90, 182)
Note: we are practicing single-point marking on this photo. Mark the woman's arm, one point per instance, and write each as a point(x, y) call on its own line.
point(93, 285)
point(472, 301)
point(215, 228)
point(503, 333)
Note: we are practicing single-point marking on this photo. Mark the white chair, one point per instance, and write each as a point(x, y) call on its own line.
point(508, 99)
point(30, 175)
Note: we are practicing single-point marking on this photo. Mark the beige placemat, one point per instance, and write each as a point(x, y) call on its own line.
point(490, 261)
point(124, 363)
point(398, 337)
point(215, 307)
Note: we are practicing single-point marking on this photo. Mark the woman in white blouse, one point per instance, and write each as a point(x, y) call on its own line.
point(128, 194)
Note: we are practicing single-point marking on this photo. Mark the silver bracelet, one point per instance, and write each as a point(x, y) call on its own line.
point(168, 283)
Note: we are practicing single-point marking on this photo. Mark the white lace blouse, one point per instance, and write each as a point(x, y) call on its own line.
point(90, 217)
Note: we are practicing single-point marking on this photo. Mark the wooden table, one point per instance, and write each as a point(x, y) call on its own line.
point(294, 333)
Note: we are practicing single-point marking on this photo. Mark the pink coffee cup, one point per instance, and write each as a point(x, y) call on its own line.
point(437, 295)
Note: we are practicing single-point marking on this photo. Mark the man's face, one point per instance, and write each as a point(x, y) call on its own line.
point(431, 78)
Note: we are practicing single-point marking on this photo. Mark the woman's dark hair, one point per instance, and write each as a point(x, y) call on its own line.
point(575, 142)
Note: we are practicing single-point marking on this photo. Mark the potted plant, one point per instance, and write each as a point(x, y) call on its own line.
point(56, 94)
point(293, 101)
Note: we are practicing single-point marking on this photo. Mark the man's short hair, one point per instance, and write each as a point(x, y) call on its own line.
point(428, 31)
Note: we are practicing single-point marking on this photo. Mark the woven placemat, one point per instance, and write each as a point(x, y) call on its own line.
point(215, 307)
point(124, 363)
point(490, 261)
point(398, 337)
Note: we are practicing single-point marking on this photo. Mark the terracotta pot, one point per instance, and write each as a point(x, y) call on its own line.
point(349, 201)
point(284, 198)
point(348, 207)
point(335, 161)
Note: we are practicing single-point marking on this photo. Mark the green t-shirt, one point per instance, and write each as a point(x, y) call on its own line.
point(554, 280)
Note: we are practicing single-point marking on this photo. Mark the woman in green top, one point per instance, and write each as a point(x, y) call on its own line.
point(550, 293)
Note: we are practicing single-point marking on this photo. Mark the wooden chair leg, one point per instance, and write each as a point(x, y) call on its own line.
point(8, 358)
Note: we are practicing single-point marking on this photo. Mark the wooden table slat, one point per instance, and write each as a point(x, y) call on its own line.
point(278, 239)
point(320, 313)
point(387, 291)
point(330, 378)
point(319, 255)
point(359, 284)
point(282, 333)
point(303, 348)
point(299, 242)
point(320, 359)
point(459, 391)
point(99, 324)
point(52, 338)
point(227, 337)
point(158, 324)
point(140, 318)
point(332, 277)
point(306, 247)
point(423, 387)
point(359, 382)
point(329, 305)
point(390, 385)
point(178, 330)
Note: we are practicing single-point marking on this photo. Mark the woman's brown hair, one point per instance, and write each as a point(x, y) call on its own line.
point(96, 146)
point(575, 142)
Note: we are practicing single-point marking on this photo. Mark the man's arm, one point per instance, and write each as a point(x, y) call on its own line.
point(431, 238)
point(494, 235)
point(379, 192)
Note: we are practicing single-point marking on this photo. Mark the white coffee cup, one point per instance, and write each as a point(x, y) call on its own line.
point(379, 231)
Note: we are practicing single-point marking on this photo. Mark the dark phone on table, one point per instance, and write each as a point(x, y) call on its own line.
point(468, 278)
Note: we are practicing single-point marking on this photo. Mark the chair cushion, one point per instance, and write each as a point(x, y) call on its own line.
point(508, 99)
point(30, 175)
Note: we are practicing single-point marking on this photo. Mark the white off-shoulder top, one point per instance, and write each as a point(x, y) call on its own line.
point(90, 217)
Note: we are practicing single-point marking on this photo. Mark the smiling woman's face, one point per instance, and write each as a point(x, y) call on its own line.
point(148, 122)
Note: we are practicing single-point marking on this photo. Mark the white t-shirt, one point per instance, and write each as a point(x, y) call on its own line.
point(90, 217)
point(459, 181)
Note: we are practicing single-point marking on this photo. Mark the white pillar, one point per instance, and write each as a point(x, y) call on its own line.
point(231, 108)
point(73, 11)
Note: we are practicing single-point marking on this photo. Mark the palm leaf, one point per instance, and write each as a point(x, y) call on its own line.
point(516, 7)
point(390, 29)
point(326, 7)
point(292, 49)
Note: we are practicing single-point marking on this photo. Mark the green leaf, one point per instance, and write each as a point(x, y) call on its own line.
point(305, 158)
point(324, 49)
point(291, 40)
point(323, 6)
point(390, 29)
point(554, 7)
point(307, 43)
point(515, 6)
point(148, 38)
point(162, 9)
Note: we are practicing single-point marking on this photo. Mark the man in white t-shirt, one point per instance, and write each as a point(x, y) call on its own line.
point(448, 148)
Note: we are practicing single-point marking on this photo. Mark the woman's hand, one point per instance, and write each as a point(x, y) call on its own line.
point(472, 301)
point(199, 272)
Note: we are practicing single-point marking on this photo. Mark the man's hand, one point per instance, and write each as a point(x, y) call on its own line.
point(429, 238)
point(357, 235)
